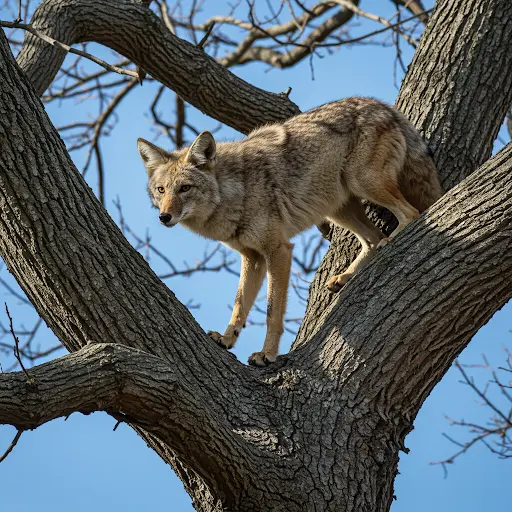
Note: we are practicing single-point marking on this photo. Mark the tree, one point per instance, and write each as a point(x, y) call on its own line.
point(138, 354)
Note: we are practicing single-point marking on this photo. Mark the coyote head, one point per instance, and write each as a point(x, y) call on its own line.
point(182, 183)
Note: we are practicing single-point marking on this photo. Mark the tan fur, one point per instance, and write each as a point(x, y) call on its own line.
point(256, 194)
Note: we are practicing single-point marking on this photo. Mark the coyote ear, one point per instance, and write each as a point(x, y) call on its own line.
point(151, 155)
point(203, 150)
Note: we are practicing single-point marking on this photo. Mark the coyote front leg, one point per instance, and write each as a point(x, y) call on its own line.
point(251, 276)
point(279, 261)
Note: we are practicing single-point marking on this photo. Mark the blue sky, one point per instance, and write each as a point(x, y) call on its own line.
point(82, 463)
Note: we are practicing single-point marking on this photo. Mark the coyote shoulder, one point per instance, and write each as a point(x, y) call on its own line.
point(257, 193)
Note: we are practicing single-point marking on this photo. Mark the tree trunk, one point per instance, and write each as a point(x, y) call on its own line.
point(321, 428)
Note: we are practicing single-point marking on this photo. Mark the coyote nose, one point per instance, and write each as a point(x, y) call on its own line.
point(165, 218)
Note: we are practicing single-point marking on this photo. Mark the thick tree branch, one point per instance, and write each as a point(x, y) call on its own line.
point(137, 386)
point(84, 381)
point(179, 65)
point(460, 103)
point(82, 276)
point(398, 326)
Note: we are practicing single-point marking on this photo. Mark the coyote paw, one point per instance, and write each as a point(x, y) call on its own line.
point(223, 341)
point(219, 339)
point(336, 283)
point(384, 242)
point(261, 359)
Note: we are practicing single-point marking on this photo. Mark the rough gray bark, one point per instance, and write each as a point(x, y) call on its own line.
point(320, 429)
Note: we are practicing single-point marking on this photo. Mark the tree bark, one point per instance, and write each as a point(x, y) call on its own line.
point(318, 430)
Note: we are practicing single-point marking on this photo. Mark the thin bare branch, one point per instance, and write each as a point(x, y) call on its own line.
point(356, 10)
point(495, 433)
point(12, 445)
point(16, 349)
point(206, 35)
point(65, 47)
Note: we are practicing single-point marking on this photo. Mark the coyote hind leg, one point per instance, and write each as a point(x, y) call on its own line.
point(391, 198)
point(353, 217)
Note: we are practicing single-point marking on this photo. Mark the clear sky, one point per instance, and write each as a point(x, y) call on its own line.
point(81, 464)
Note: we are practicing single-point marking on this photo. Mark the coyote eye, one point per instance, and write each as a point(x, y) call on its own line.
point(185, 188)
point(161, 190)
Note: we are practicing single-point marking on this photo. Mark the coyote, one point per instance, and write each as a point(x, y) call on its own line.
point(255, 194)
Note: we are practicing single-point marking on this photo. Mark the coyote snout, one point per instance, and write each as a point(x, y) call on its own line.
point(167, 220)
point(171, 207)
point(256, 194)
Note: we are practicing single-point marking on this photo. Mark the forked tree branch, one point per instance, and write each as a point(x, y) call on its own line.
point(365, 365)
point(169, 331)
point(169, 401)
point(93, 328)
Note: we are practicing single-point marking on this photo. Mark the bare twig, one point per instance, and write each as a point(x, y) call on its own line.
point(356, 10)
point(12, 445)
point(17, 347)
point(205, 264)
point(206, 35)
point(413, 6)
point(382, 30)
point(314, 41)
point(286, 93)
point(18, 18)
point(98, 132)
point(65, 47)
point(495, 433)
